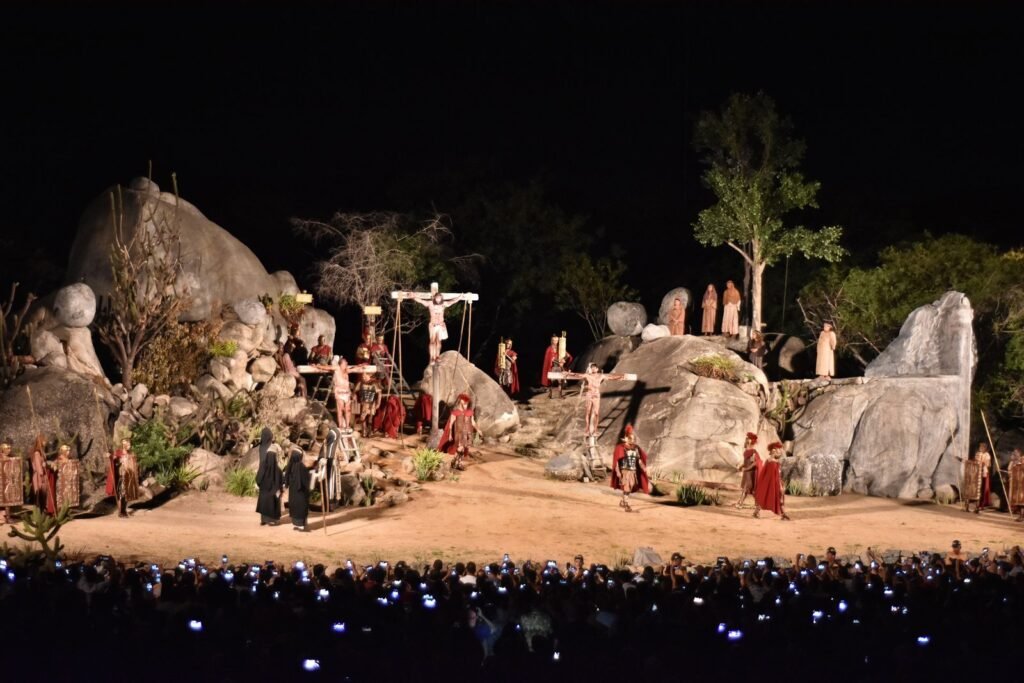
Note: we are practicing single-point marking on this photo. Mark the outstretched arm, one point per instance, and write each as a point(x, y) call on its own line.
point(453, 301)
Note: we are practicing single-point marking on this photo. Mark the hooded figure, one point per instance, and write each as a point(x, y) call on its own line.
point(298, 489)
point(269, 480)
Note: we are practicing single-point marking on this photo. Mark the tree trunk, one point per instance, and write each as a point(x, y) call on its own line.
point(755, 296)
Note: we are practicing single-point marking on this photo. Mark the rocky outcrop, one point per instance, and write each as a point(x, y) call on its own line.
point(626, 319)
point(690, 425)
point(605, 353)
point(899, 432)
point(666, 303)
point(496, 414)
point(65, 404)
point(652, 332)
point(75, 305)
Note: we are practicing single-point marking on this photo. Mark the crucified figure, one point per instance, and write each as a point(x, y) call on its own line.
point(436, 303)
point(341, 387)
point(591, 391)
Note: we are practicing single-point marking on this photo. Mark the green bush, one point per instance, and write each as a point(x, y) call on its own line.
point(241, 482)
point(179, 477)
point(172, 361)
point(156, 450)
point(223, 348)
point(715, 367)
point(691, 494)
point(795, 488)
point(426, 462)
point(369, 485)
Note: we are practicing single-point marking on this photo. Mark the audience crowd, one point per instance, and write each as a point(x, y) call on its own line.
point(850, 618)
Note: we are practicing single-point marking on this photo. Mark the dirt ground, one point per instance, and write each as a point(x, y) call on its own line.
point(504, 504)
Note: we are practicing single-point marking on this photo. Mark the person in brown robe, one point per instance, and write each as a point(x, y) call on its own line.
point(709, 304)
point(68, 487)
point(756, 349)
point(731, 299)
point(984, 459)
point(12, 491)
point(677, 318)
point(748, 468)
point(1016, 483)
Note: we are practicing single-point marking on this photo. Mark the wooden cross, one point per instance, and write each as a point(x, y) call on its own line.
point(438, 332)
point(591, 391)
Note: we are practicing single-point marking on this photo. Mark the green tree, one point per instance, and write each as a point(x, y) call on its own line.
point(753, 163)
point(588, 287)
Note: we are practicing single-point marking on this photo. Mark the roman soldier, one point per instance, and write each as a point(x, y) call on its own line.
point(321, 353)
point(369, 395)
point(1016, 483)
point(976, 486)
point(748, 468)
point(768, 491)
point(459, 431)
point(68, 487)
point(123, 477)
point(556, 359)
point(629, 468)
point(506, 369)
point(12, 488)
point(423, 410)
point(42, 494)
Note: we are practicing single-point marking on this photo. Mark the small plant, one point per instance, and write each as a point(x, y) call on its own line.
point(290, 308)
point(267, 301)
point(172, 361)
point(38, 528)
point(157, 451)
point(715, 366)
point(690, 495)
point(223, 348)
point(369, 485)
point(795, 488)
point(241, 482)
point(426, 462)
point(178, 478)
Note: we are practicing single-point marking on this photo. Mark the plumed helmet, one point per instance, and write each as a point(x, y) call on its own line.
point(752, 437)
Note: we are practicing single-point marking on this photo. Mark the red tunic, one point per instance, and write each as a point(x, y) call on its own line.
point(458, 432)
point(424, 408)
point(390, 417)
point(768, 490)
point(641, 473)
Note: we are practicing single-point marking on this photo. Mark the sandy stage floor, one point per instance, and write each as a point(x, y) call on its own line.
point(505, 504)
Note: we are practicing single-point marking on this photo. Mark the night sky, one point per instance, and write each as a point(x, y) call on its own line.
point(910, 114)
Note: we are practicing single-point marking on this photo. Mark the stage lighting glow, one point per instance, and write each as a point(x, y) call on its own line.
point(195, 626)
point(311, 664)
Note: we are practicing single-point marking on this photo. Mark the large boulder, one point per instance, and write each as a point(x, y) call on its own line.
point(315, 323)
point(285, 282)
point(217, 267)
point(899, 432)
point(496, 414)
point(626, 319)
point(59, 403)
point(652, 332)
point(75, 305)
point(210, 467)
point(789, 355)
point(605, 353)
point(263, 368)
point(250, 311)
point(689, 425)
point(666, 303)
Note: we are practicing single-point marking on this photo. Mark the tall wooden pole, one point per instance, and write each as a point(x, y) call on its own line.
point(995, 458)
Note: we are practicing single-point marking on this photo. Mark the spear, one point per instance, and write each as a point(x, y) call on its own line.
point(995, 458)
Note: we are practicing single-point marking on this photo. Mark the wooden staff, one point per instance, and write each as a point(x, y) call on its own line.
point(323, 497)
point(995, 458)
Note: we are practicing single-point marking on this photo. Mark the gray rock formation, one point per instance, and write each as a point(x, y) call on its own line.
point(263, 368)
point(220, 268)
point(250, 311)
point(899, 432)
point(652, 332)
point(605, 353)
point(666, 304)
point(75, 305)
point(690, 425)
point(789, 355)
point(626, 319)
point(496, 414)
point(210, 466)
point(63, 404)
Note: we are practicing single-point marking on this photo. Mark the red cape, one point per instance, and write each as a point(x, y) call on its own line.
point(768, 490)
point(112, 473)
point(447, 438)
point(424, 408)
point(51, 491)
point(512, 356)
point(549, 360)
point(390, 417)
point(641, 475)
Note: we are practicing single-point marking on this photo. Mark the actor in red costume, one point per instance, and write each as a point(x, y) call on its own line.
point(768, 493)
point(123, 477)
point(459, 431)
point(749, 466)
point(390, 417)
point(508, 373)
point(552, 363)
point(629, 468)
point(423, 410)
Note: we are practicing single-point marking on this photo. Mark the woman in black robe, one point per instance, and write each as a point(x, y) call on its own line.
point(269, 481)
point(298, 490)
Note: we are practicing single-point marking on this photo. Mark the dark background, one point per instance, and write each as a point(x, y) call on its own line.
point(910, 112)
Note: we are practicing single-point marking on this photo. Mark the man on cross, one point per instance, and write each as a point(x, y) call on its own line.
point(591, 391)
point(436, 303)
point(341, 387)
